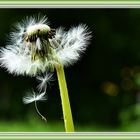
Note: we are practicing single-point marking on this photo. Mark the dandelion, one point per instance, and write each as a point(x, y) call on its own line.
point(35, 48)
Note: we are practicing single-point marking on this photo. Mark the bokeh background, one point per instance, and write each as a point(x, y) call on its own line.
point(104, 85)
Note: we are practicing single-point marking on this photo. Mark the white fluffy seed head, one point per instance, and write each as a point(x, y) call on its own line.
point(33, 97)
point(23, 57)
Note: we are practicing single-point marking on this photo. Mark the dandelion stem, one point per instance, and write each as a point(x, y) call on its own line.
point(68, 120)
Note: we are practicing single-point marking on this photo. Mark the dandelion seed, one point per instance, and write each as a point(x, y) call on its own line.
point(33, 97)
point(36, 48)
point(44, 80)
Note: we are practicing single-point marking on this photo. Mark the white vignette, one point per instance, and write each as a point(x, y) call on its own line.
point(73, 4)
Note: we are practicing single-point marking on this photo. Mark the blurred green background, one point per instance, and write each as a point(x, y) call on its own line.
point(104, 86)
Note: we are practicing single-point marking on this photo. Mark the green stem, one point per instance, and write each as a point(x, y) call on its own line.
point(68, 121)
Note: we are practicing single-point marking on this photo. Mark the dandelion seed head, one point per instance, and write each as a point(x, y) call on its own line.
point(36, 48)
